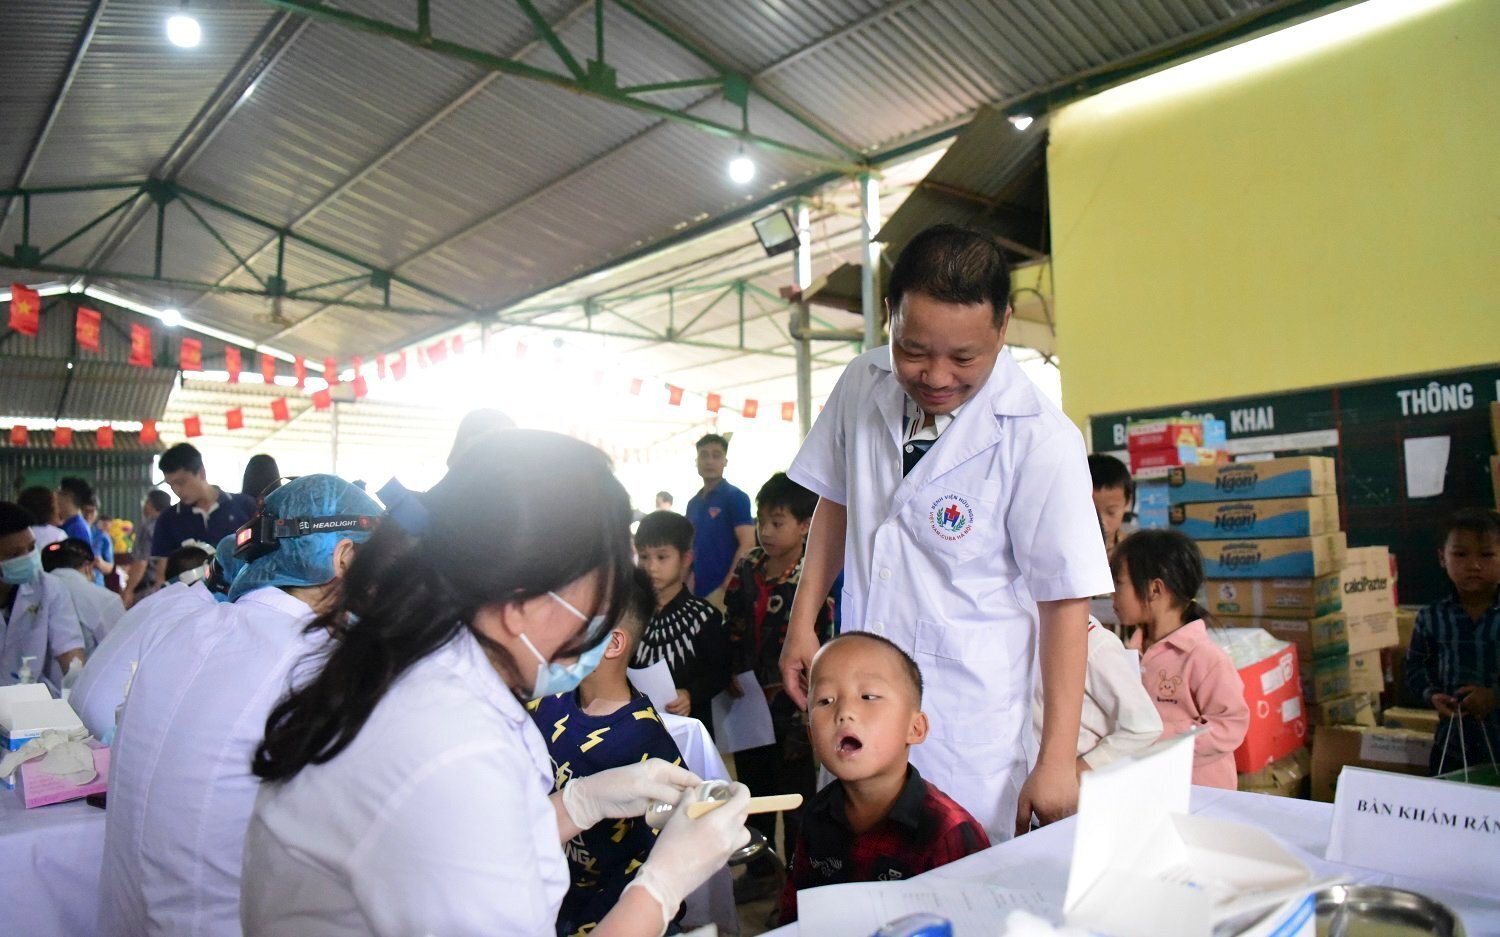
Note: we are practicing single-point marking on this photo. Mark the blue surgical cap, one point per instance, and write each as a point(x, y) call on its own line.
point(229, 565)
point(306, 560)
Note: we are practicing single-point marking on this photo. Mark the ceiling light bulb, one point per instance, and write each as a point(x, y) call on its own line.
point(741, 169)
point(171, 317)
point(1020, 121)
point(183, 31)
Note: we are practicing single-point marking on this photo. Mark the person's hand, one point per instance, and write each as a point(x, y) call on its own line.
point(682, 704)
point(796, 663)
point(1082, 766)
point(1477, 701)
point(1445, 704)
point(625, 792)
point(1051, 792)
point(734, 688)
point(688, 851)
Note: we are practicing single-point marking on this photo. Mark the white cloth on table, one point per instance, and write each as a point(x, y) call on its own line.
point(98, 608)
point(49, 862)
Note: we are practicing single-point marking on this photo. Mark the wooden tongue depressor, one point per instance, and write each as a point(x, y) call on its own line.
point(771, 804)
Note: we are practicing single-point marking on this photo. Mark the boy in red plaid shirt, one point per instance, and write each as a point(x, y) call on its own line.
point(879, 821)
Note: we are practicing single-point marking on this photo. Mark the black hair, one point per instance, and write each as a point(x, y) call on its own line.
point(14, 518)
point(1109, 472)
point(41, 501)
point(713, 439)
point(1167, 555)
point(71, 553)
point(665, 496)
point(80, 491)
point(779, 491)
point(159, 500)
point(639, 607)
point(521, 513)
point(182, 457)
point(952, 264)
point(1481, 522)
point(475, 425)
point(261, 472)
point(664, 529)
point(908, 663)
point(183, 559)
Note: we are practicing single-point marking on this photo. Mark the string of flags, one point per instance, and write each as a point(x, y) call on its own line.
point(25, 319)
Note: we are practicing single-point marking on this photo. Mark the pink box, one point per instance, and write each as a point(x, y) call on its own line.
point(39, 788)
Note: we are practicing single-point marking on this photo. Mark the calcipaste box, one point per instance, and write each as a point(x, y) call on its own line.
point(1272, 517)
point(1274, 598)
point(1298, 477)
point(1290, 557)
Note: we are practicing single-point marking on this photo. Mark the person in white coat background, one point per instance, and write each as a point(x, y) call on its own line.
point(957, 501)
point(37, 619)
point(71, 562)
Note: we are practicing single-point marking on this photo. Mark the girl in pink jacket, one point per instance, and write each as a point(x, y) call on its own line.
point(1191, 680)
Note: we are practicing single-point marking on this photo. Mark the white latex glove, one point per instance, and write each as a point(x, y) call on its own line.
point(625, 792)
point(64, 755)
point(688, 851)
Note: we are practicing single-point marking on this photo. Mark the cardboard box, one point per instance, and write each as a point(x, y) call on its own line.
point(26, 711)
point(1368, 596)
point(1281, 778)
point(1144, 460)
point(1151, 504)
point(1312, 637)
point(1291, 557)
point(1297, 477)
point(1344, 674)
point(1274, 598)
point(38, 789)
point(1278, 722)
point(1166, 434)
point(1357, 709)
point(1420, 720)
point(1403, 751)
point(1271, 517)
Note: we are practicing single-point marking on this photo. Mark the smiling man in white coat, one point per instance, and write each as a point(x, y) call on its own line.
point(958, 502)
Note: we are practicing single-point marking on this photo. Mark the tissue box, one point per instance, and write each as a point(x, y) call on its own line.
point(1272, 517)
point(1295, 557)
point(26, 711)
point(1274, 598)
point(39, 788)
point(1300, 477)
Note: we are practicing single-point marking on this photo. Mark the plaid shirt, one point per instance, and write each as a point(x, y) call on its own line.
point(758, 609)
point(1449, 649)
point(925, 829)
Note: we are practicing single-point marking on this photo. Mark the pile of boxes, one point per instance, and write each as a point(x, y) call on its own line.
point(1155, 446)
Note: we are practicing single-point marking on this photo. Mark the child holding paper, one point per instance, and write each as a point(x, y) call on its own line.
point(1189, 677)
point(880, 821)
point(1453, 662)
point(759, 605)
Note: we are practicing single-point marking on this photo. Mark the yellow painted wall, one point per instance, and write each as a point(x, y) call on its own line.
point(1333, 217)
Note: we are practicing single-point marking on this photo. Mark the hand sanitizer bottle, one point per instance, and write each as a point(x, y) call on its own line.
point(24, 675)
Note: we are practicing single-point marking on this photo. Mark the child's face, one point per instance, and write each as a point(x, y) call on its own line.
point(1111, 504)
point(666, 565)
point(1472, 562)
point(1131, 608)
point(780, 532)
point(862, 711)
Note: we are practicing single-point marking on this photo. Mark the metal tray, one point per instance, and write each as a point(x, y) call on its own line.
point(1377, 911)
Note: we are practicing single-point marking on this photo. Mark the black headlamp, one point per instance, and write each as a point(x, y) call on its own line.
point(265, 531)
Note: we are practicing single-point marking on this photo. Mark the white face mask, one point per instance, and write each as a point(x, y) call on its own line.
point(553, 678)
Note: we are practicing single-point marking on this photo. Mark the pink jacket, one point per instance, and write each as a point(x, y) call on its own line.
point(1193, 683)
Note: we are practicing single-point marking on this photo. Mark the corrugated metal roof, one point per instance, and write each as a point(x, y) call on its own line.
point(46, 388)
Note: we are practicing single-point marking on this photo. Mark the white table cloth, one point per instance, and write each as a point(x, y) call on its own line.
point(49, 867)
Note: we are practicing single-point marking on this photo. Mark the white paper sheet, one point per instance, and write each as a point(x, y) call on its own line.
point(656, 682)
point(1426, 464)
point(745, 722)
point(862, 908)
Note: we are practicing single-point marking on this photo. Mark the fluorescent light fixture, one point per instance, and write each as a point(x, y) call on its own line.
point(126, 303)
point(776, 232)
point(1020, 121)
point(171, 318)
point(741, 169)
point(49, 289)
point(183, 31)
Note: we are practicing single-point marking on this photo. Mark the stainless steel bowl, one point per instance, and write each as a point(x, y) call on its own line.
point(1377, 911)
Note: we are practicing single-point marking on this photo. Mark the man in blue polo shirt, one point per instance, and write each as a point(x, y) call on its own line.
point(723, 529)
point(202, 512)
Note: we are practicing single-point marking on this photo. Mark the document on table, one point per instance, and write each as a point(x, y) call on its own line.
point(862, 908)
point(656, 682)
point(745, 722)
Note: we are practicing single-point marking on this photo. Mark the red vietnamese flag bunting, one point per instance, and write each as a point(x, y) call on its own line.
point(358, 365)
point(458, 344)
point(148, 432)
point(788, 411)
point(62, 436)
point(104, 436)
point(714, 403)
point(140, 345)
point(190, 358)
point(234, 419)
point(398, 367)
point(299, 368)
point(232, 364)
point(635, 386)
point(279, 411)
point(380, 366)
point(192, 426)
point(674, 395)
point(267, 368)
point(331, 372)
point(86, 328)
point(322, 399)
point(752, 407)
point(18, 435)
point(437, 352)
point(25, 310)
point(361, 388)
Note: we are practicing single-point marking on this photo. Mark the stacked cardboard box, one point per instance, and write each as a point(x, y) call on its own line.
point(1157, 445)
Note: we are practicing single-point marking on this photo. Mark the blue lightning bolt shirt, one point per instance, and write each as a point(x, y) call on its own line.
point(602, 860)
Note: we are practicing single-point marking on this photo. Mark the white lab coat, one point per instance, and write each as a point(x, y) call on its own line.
point(101, 687)
point(180, 787)
point(41, 624)
point(435, 820)
point(950, 561)
point(98, 608)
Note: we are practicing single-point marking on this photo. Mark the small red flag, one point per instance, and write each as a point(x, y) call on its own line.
point(25, 311)
point(62, 436)
point(190, 358)
point(674, 395)
point(331, 372)
point(232, 364)
point(234, 419)
point(422, 361)
point(86, 328)
point(299, 367)
point(148, 432)
point(322, 399)
point(398, 367)
point(714, 403)
point(140, 345)
point(279, 411)
point(788, 411)
point(380, 366)
point(18, 435)
point(437, 352)
point(752, 407)
point(192, 426)
point(635, 386)
point(104, 436)
point(267, 368)
point(361, 388)
point(457, 344)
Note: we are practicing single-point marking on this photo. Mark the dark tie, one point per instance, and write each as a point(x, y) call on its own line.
point(912, 453)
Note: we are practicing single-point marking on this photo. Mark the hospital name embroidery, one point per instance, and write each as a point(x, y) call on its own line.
point(951, 517)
